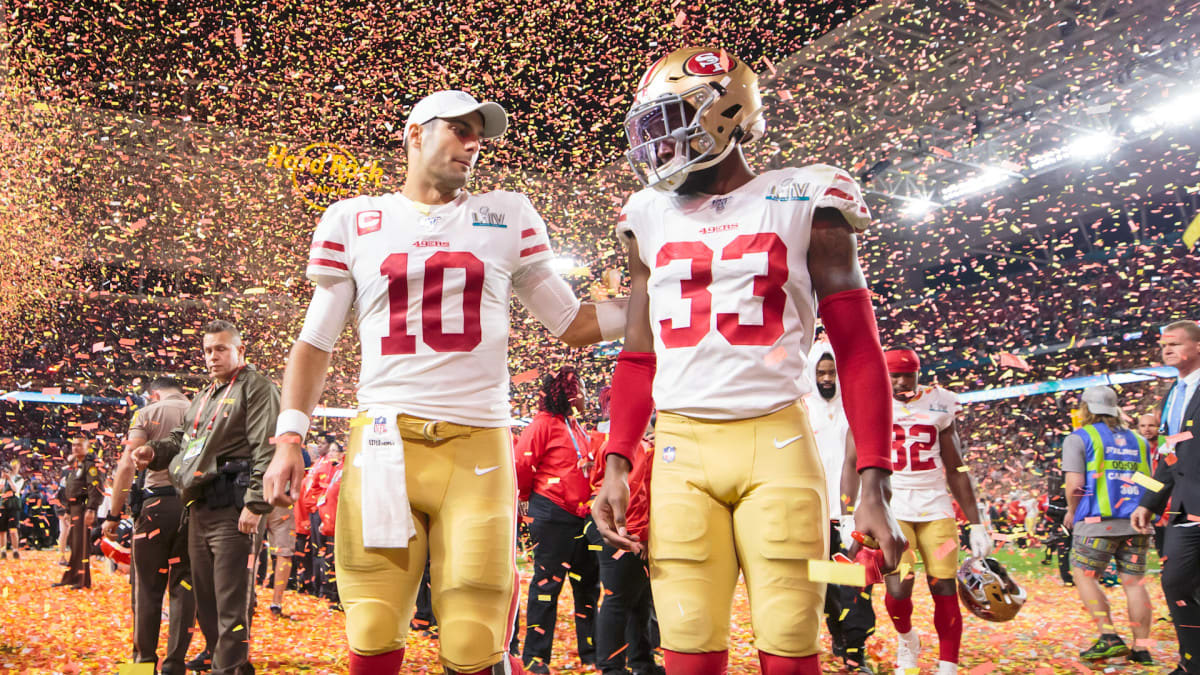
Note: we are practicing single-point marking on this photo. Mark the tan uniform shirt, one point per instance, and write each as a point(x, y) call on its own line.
point(157, 421)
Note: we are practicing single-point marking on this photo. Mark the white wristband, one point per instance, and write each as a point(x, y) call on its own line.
point(291, 421)
point(610, 316)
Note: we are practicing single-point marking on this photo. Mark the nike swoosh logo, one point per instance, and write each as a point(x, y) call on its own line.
point(787, 441)
point(480, 472)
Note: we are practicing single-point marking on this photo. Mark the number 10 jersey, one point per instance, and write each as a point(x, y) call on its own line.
point(731, 303)
point(432, 296)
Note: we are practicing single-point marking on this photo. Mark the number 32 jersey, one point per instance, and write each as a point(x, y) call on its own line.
point(731, 303)
point(432, 295)
point(919, 489)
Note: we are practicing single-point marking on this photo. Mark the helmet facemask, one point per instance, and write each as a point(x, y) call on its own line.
point(667, 139)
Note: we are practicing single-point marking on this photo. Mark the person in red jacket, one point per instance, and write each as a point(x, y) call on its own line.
point(623, 633)
point(316, 483)
point(553, 462)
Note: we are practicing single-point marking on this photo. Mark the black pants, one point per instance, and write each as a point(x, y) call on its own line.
point(1181, 586)
point(561, 552)
point(155, 575)
point(848, 633)
point(623, 624)
point(424, 619)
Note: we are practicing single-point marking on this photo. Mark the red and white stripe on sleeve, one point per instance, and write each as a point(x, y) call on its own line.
point(841, 192)
point(535, 242)
point(327, 257)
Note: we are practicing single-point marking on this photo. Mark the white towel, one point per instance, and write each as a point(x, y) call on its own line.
point(386, 515)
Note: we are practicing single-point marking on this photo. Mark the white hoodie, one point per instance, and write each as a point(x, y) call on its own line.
point(830, 428)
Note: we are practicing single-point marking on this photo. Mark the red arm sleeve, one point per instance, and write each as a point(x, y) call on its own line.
point(632, 403)
point(850, 322)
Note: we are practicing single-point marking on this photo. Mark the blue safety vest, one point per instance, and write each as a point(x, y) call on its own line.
point(1112, 459)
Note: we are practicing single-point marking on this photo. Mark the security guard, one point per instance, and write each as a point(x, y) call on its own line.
point(160, 558)
point(82, 494)
point(217, 458)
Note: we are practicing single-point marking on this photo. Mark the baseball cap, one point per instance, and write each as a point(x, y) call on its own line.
point(1101, 400)
point(450, 103)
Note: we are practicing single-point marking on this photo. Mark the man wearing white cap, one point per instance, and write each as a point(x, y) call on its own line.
point(430, 271)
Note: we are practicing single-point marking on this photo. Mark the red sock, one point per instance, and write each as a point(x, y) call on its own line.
point(387, 663)
point(901, 612)
point(514, 666)
point(947, 619)
point(788, 665)
point(705, 663)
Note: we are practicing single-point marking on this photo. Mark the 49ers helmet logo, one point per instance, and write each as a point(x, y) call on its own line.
point(708, 63)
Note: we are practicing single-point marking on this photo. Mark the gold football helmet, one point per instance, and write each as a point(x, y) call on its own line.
point(986, 589)
point(692, 107)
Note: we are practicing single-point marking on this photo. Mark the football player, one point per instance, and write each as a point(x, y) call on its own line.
point(727, 268)
point(429, 271)
point(928, 472)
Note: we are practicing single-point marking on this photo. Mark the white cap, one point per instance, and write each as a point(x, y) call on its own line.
point(1101, 400)
point(451, 103)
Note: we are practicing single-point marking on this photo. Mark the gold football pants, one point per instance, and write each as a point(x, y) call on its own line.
point(729, 495)
point(930, 537)
point(462, 489)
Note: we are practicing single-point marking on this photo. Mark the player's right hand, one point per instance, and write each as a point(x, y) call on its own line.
point(142, 456)
point(285, 475)
point(109, 529)
point(611, 503)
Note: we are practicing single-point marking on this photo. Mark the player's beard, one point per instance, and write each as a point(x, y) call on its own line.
point(904, 395)
point(827, 391)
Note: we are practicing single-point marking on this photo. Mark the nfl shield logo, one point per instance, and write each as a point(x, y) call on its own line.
point(669, 454)
point(380, 425)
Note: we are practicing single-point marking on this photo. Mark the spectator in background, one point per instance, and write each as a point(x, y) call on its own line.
point(848, 611)
point(12, 486)
point(1148, 426)
point(327, 513)
point(82, 495)
point(1098, 459)
point(624, 632)
point(281, 539)
point(553, 464)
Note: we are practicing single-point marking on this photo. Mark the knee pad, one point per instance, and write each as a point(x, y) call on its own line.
point(374, 627)
point(681, 527)
point(480, 554)
point(467, 644)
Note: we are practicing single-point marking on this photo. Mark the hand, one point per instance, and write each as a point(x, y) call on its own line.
point(523, 508)
point(873, 517)
point(248, 521)
point(980, 539)
point(89, 517)
point(846, 529)
point(142, 456)
point(608, 509)
point(283, 479)
point(109, 528)
point(1142, 520)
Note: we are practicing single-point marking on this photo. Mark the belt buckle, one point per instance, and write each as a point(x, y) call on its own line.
point(429, 431)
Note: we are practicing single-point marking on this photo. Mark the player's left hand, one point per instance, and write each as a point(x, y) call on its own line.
point(874, 518)
point(248, 521)
point(981, 540)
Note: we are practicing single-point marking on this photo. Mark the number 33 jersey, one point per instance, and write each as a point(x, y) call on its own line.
point(731, 303)
point(432, 294)
point(919, 489)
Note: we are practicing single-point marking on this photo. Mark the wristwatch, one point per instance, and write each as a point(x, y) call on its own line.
point(112, 518)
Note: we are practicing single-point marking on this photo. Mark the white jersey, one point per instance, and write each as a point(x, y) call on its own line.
point(830, 429)
point(731, 303)
point(919, 488)
point(432, 295)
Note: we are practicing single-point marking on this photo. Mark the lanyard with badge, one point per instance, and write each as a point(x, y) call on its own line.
point(578, 453)
point(192, 443)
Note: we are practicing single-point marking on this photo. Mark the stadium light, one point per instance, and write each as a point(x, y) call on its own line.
point(989, 179)
point(1096, 144)
point(918, 208)
point(1179, 111)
